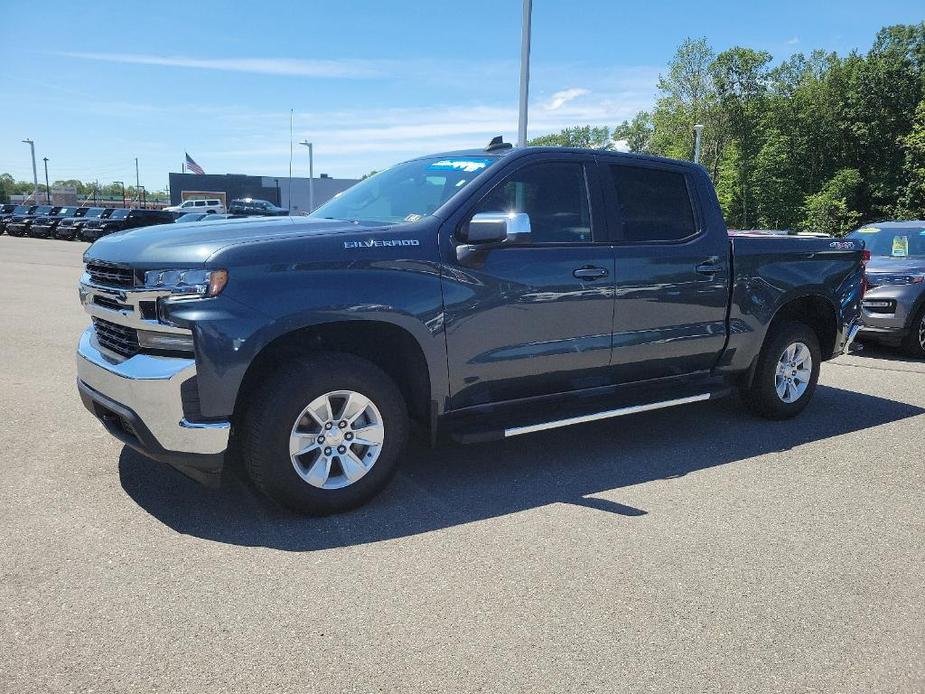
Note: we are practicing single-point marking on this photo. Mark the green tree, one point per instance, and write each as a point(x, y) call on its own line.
point(637, 133)
point(740, 79)
point(579, 136)
point(911, 204)
point(830, 211)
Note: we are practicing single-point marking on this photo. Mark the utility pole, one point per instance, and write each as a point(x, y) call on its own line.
point(35, 173)
point(698, 129)
point(47, 187)
point(137, 184)
point(524, 73)
point(311, 175)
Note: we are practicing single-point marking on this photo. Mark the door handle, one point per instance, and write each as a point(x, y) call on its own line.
point(590, 273)
point(710, 266)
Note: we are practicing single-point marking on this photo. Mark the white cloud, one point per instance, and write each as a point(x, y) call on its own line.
point(560, 98)
point(262, 66)
point(793, 41)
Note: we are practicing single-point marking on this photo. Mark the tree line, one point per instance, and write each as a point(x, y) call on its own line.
point(85, 190)
point(818, 142)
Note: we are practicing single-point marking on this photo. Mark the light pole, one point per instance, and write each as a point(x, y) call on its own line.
point(311, 174)
point(35, 173)
point(47, 187)
point(697, 130)
point(524, 74)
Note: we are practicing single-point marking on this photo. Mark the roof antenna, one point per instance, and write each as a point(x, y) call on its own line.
point(498, 142)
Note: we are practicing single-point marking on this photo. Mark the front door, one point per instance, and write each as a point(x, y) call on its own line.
point(533, 317)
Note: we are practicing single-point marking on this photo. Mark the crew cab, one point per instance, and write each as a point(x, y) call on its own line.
point(121, 219)
point(44, 227)
point(18, 224)
point(475, 295)
point(69, 228)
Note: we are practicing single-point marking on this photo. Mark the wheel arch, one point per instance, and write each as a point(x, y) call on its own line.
point(389, 346)
point(817, 311)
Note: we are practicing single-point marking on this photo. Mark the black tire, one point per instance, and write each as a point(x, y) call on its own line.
point(275, 407)
point(914, 342)
point(762, 397)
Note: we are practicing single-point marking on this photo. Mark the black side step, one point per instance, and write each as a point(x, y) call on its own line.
point(476, 430)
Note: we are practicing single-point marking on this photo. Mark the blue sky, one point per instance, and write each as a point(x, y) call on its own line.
point(370, 83)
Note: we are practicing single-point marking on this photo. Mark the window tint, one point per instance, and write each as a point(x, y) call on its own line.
point(654, 204)
point(554, 195)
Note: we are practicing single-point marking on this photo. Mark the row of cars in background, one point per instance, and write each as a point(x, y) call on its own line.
point(90, 223)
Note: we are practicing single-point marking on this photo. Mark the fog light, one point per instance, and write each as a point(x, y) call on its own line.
point(168, 341)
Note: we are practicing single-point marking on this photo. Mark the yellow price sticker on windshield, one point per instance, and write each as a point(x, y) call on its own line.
point(900, 246)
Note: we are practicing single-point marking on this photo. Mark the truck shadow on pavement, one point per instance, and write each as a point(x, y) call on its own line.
point(454, 485)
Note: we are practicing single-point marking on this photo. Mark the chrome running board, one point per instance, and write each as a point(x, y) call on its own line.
point(606, 414)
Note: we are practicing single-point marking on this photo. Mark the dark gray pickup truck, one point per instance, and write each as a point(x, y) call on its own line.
point(474, 295)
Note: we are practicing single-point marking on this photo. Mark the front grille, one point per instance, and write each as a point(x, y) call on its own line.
point(112, 305)
point(111, 275)
point(116, 338)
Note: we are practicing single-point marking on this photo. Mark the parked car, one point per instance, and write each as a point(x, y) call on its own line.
point(480, 294)
point(253, 207)
point(69, 229)
point(18, 211)
point(209, 206)
point(121, 219)
point(44, 227)
point(894, 306)
point(18, 225)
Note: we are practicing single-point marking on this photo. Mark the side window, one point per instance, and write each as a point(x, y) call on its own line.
point(200, 203)
point(554, 195)
point(654, 204)
point(188, 203)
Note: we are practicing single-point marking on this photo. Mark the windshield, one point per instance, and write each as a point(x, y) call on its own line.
point(66, 211)
point(21, 209)
point(119, 214)
point(44, 209)
point(406, 192)
point(899, 242)
point(94, 212)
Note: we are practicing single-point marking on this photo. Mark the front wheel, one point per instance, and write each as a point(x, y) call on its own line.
point(914, 344)
point(787, 372)
point(325, 433)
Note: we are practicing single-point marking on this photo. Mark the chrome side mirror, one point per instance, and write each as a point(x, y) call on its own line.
point(495, 227)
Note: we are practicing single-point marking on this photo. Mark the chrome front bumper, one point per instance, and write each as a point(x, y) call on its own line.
point(148, 387)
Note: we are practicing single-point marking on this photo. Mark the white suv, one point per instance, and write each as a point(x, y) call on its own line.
point(213, 205)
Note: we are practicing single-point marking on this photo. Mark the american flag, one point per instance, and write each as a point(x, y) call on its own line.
point(193, 166)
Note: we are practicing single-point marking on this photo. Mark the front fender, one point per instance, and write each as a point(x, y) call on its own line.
point(232, 329)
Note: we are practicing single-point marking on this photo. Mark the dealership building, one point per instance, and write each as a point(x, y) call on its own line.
point(279, 191)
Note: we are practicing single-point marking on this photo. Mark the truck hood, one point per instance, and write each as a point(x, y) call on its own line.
point(193, 243)
point(894, 266)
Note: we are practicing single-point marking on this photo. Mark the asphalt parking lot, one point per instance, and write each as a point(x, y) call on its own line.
point(698, 550)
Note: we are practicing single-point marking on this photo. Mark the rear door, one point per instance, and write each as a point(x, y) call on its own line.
point(671, 271)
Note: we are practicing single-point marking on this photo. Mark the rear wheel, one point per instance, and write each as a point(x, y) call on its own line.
point(325, 434)
point(787, 372)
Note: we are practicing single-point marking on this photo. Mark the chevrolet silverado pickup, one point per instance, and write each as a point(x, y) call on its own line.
point(473, 295)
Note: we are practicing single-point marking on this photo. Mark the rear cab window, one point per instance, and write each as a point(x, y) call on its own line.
point(652, 205)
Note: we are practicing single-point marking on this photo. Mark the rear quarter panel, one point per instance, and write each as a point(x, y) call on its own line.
point(770, 272)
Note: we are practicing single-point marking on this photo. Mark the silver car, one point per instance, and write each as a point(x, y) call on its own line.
point(894, 306)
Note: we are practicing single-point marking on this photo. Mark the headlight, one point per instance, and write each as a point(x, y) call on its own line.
point(192, 283)
point(169, 341)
